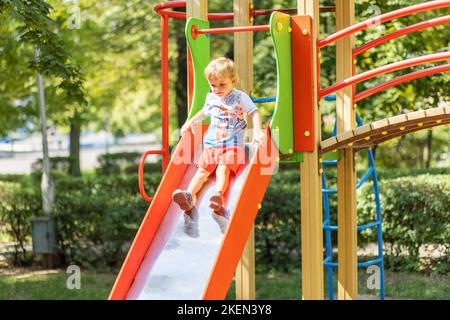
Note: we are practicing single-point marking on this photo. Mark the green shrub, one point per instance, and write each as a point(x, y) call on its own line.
point(384, 174)
point(18, 206)
point(416, 214)
point(98, 216)
point(277, 226)
point(56, 163)
point(124, 162)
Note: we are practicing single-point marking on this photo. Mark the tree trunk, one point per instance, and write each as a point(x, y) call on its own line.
point(74, 156)
point(427, 150)
point(181, 82)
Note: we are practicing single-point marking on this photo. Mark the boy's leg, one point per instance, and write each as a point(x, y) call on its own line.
point(220, 214)
point(187, 199)
point(222, 181)
point(222, 178)
point(200, 177)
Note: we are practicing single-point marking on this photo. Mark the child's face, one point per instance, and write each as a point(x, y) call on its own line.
point(222, 86)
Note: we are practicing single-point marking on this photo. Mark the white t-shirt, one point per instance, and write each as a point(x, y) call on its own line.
point(228, 123)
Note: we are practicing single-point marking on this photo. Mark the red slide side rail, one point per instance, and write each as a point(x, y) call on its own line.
point(262, 166)
point(381, 19)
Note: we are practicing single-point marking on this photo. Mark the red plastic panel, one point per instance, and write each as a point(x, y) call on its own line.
point(302, 83)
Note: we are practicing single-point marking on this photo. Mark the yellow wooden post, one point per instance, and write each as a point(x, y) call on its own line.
point(243, 58)
point(347, 237)
point(197, 9)
point(311, 187)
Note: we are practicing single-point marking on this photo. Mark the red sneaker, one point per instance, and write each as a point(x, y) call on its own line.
point(216, 201)
point(221, 217)
point(183, 198)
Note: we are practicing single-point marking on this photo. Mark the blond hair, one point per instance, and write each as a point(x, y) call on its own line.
point(220, 68)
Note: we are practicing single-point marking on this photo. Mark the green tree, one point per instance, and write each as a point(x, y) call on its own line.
point(26, 25)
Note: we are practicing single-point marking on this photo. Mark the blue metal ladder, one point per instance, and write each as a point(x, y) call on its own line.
point(328, 228)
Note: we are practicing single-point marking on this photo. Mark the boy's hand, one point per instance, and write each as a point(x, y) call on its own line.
point(186, 126)
point(259, 137)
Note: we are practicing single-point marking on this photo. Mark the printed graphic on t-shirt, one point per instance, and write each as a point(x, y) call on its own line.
point(227, 114)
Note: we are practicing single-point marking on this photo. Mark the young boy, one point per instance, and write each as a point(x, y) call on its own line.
point(224, 142)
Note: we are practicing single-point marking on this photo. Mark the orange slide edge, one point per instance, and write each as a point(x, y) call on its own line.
point(248, 204)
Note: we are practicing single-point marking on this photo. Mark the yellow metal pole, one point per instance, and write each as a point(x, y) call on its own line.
point(311, 187)
point(347, 237)
point(243, 58)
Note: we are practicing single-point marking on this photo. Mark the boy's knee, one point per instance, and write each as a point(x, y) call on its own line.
point(203, 173)
point(223, 169)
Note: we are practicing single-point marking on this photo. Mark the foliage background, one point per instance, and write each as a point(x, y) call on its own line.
point(106, 75)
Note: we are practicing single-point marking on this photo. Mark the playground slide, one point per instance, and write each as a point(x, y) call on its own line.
point(163, 261)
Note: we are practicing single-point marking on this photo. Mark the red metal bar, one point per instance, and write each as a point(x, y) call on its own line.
point(400, 32)
point(381, 19)
point(164, 9)
point(164, 108)
point(165, 89)
point(384, 69)
point(231, 29)
point(141, 173)
point(263, 12)
point(408, 77)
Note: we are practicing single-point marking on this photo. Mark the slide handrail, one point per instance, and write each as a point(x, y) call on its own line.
point(141, 172)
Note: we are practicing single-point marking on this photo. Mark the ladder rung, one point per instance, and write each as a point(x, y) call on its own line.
point(368, 225)
point(370, 262)
point(329, 162)
point(327, 226)
point(330, 264)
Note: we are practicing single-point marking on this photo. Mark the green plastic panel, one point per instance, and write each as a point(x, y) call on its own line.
point(282, 119)
point(200, 52)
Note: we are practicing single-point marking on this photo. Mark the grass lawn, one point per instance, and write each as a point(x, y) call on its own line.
point(51, 284)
